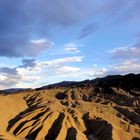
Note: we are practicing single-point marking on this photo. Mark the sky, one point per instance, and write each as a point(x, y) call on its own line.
point(48, 41)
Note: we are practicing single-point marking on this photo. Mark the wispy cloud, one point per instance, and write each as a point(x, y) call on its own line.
point(59, 62)
point(87, 30)
point(72, 47)
point(67, 70)
point(126, 52)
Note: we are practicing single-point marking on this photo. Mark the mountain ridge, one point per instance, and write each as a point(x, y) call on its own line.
point(109, 80)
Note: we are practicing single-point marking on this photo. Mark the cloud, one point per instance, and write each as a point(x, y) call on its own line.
point(127, 66)
point(41, 44)
point(72, 47)
point(128, 57)
point(132, 11)
point(82, 73)
point(9, 81)
point(6, 70)
point(8, 77)
point(127, 52)
point(67, 69)
point(124, 67)
point(23, 20)
point(32, 72)
point(41, 13)
point(48, 70)
point(97, 72)
point(72, 50)
point(68, 48)
point(28, 63)
point(20, 47)
point(59, 62)
point(87, 30)
point(60, 12)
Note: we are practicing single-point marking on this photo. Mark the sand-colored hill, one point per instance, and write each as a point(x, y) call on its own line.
point(70, 113)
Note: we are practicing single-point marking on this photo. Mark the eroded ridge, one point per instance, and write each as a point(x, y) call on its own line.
point(77, 114)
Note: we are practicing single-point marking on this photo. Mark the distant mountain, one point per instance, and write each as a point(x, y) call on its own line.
point(14, 90)
point(57, 85)
point(129, 83)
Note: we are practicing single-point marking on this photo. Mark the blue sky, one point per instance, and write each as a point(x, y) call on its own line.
point(47, 41)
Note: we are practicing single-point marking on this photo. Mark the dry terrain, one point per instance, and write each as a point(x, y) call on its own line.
point(89, 110)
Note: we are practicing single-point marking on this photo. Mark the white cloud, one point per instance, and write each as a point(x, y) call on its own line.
point(129, 56)
point(97, 72)
point(72, 47)
point(68, 48)
point(42, 42)
point(31, 48)
point(126, 52)
point(127, 66)
point(28, 75)
point(35, 47)
point(45, 70)
point(2, 77)
point(59, 62)
point(72, 50)
point(68, 69)
point(9, 80)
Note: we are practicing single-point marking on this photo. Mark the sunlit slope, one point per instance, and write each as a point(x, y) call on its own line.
point(80, 113)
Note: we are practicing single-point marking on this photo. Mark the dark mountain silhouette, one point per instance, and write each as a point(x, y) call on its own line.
point(129, 82)
point(14, 90)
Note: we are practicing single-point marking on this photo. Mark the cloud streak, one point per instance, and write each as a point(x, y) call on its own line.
point(72, 47)
point(127, 52)
point(87, 30)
